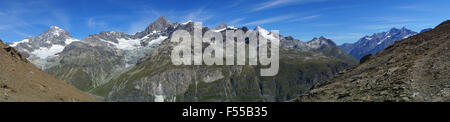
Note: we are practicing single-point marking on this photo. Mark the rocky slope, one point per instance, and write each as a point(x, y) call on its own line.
point(21, 81)
point(413, 69)
point(376, 42)
point(155, 78)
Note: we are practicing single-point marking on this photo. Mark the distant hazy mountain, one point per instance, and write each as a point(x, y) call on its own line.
point(319, 45)
point(376, 42)
point(414, 69)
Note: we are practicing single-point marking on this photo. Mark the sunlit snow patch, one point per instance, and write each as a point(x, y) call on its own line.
point(23, 41)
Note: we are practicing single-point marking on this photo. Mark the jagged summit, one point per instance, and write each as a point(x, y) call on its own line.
point(376, 42)
point(162, 19)
point(221, 26)
point(53, 35)
point(47, 44)
point(319, 42)
point(54, 27)
point(159, 25)
point(56, 31)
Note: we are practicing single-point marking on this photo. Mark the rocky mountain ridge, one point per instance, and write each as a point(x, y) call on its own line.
point(376, 42)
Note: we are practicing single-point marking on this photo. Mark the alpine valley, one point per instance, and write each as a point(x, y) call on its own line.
point(115, 66)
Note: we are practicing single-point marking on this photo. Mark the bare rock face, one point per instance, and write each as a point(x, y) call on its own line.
point(14, 53)
point(414, 69)
point(20, 81)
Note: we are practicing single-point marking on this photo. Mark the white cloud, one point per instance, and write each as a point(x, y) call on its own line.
point(421, 8)
point(270, 20)
point(305, 18)
point(94, 24)
point(235, 21)
point(275, 3)
point(19, 18)
point(198, 15)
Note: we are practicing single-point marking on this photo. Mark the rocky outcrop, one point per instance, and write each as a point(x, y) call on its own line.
point(14, 53)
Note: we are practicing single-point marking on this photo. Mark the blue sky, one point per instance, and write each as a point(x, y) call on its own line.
point(340, 20)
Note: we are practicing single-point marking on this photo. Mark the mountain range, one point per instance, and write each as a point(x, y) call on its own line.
point(413, 69)
point(376, 42)
point(115, 66)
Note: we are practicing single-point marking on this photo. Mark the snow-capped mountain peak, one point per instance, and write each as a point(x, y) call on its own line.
point(55, 31)
point(264, 33)
point(47, 44)
point(377, 42)
point(221, 26)
point(187, 22)
point(19, 42)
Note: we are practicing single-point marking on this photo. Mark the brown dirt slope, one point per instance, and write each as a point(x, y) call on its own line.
point(413, 69)
point(20, 81)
